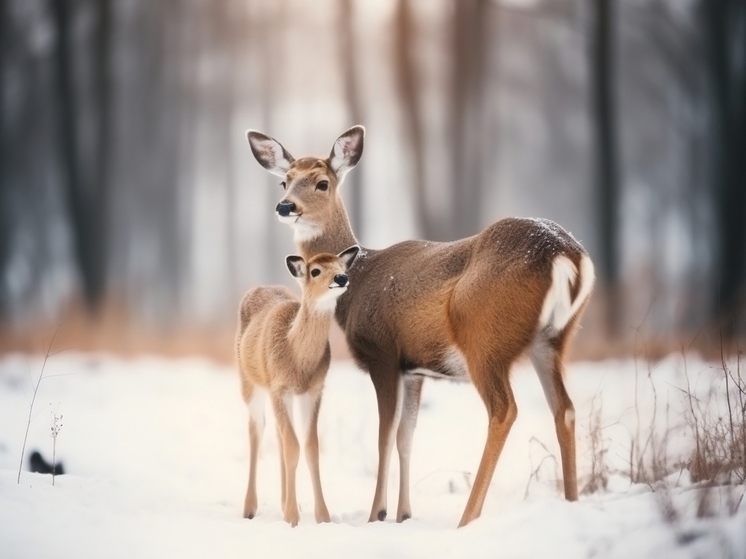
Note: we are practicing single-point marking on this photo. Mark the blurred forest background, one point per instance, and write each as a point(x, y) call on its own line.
point(133, 216)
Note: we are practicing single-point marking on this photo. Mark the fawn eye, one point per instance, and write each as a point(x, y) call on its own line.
point(322, 185)
point(315, 272)
point(283, 185)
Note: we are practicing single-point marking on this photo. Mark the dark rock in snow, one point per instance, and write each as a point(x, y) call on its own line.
point(37, 464)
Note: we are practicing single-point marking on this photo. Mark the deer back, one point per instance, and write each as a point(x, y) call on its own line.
point(424, 303)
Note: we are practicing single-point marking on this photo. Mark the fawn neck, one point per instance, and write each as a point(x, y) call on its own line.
point(336, 233)
point(309, 333)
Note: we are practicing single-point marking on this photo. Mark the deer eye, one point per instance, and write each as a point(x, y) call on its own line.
point(283, 185)
point(322, 185)
point(315, 272)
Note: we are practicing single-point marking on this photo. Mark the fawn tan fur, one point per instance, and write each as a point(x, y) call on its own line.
point(464, 310)
point(283, 351)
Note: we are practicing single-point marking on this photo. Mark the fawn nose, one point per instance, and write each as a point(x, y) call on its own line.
point(341, 280)
point(285, 207)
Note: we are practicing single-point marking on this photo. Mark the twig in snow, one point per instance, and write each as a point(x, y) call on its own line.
point(535, 472)
point(31, 406)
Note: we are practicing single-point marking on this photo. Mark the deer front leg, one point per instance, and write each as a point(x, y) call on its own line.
point(290, 454)
point(412, 388)
point(256, 429)
point(389, 395)
point(310, 404)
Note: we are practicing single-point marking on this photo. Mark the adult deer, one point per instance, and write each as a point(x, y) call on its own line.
point(282, 348)
point(461, 310)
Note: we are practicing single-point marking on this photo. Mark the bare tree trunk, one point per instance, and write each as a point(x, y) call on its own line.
point(606, 167)
point(235, 25)
point(167, 156)
point(270, 40)
point(154, 164)
point(5, 223)
point(407, 81)
point(470, 43)
point(103, 62)
point(81, 197)
point(348, 55)
point(725, 21)
point(217, 100)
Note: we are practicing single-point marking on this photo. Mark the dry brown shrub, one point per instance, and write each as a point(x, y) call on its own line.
point(719, 454)
point(598, 479)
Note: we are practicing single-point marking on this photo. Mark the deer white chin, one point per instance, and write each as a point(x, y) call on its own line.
point(289, 219)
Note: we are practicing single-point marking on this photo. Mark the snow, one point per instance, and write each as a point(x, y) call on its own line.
point(156, 455)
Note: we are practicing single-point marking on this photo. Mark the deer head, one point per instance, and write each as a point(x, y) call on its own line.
point(311, 184)
point(324, 277)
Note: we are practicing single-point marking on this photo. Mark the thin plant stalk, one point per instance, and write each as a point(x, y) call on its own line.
point(56, 426)
point(31, 406)
point(726, 372)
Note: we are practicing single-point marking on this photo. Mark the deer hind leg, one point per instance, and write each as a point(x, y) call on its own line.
point(282, 404)
point(412, 389)
point(256, 429)
point(310, 404)
point(494, 387)
point(547, 357)
point(389, 395)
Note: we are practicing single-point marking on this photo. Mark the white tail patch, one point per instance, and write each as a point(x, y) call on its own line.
point(559, 307)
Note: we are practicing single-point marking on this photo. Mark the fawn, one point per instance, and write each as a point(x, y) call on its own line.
point(283, 350)
point(465, 310)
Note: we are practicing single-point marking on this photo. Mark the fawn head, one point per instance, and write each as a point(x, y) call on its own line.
point(324, 277)
point(311, 184)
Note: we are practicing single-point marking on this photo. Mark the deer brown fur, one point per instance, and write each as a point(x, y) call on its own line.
point(464, 310)
point(282, 347)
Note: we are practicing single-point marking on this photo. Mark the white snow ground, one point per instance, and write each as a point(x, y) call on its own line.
point(156, 454)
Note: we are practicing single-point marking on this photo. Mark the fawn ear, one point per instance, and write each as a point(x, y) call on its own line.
point(269, 153)
point(347, 151)
point(296, 265)
point(348, 255)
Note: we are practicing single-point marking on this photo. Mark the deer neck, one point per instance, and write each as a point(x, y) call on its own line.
point(336, 234)
point(309, 334)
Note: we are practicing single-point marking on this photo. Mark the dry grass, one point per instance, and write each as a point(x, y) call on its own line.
point(717, 435)
point(649, 456)
point(548, 459)
point(115, 330)
point(719, 454)
point(715, 427)
point(598, 479)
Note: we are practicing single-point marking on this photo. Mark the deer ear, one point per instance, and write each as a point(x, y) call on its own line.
point(347, 151)
point(348, 255)
point(269, 153)
point(296, 265)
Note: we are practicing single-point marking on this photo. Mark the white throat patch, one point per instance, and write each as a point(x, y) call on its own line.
point(304, 232)
point(328, 301)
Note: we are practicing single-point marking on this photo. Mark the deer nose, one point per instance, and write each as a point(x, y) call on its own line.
point(285, 207)
point(341, 280)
